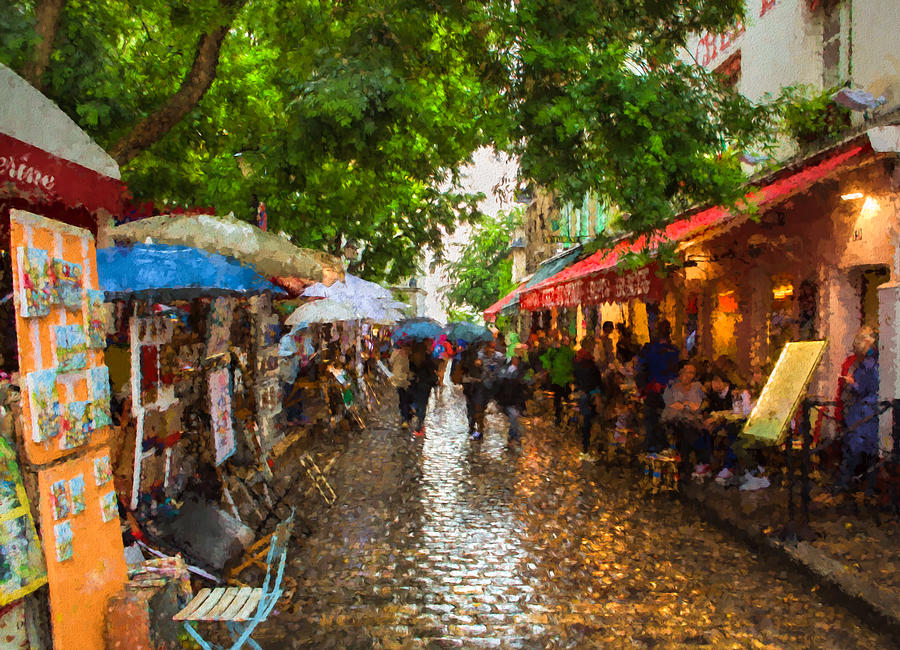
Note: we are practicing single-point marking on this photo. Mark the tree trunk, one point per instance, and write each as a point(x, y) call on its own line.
point(195, 84)
point(47, 14)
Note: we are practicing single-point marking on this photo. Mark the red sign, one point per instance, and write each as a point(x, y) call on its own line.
point(41, 177)
point(595, 289)
point(711, 46)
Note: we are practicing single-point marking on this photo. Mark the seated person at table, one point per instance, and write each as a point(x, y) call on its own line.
point(681, 416)
point(727, 408)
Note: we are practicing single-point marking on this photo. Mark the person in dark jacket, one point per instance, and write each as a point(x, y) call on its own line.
point(423, 378)
point(657, 367)
point(510, 393)
point(589, 382)
point(467, 367)
point(860, 399)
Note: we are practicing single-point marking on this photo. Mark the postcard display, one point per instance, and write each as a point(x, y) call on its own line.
point(267, 385)
point(148, 390)
point(66, 421)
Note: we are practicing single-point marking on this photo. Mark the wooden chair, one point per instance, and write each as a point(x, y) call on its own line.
point(242, 609)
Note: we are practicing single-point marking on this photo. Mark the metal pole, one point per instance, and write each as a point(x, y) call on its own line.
point(805, 461)
point(791, 531)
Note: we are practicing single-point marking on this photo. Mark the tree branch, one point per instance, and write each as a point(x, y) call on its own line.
point(194, 86)
point(46, 14)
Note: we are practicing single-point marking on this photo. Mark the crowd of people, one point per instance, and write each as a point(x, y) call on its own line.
point(654, 398)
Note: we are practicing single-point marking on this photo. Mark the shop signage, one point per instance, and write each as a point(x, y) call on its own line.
point(595, 289)
point(42, 177)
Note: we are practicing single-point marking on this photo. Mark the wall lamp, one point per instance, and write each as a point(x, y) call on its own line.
point(852, 196)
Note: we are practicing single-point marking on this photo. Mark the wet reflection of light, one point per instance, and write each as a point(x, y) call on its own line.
point(470, 536)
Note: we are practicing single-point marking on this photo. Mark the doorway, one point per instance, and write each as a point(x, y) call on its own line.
point(871, 279)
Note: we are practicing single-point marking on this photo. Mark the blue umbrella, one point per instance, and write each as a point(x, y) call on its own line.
point(174, 272)
point(469, 332)
point(417, 329)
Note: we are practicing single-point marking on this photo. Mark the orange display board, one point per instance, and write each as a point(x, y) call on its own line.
point(65, 411)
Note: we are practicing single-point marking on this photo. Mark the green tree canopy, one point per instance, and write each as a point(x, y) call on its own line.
point(352, 119)
point(483, 272)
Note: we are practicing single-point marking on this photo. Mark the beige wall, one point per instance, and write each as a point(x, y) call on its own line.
point(876, 57)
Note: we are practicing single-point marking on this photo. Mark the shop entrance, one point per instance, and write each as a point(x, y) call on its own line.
point(870, 280)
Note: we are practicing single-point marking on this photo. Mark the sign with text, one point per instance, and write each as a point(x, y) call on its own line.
point(610, 286)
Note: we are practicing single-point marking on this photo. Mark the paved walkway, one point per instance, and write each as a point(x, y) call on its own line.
point(444, 542)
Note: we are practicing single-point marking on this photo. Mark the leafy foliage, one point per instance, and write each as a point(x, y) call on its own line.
point(808, 115)
point(483, 272)
point(353, 119)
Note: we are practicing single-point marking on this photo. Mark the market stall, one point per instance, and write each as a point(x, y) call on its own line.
point(198, 367)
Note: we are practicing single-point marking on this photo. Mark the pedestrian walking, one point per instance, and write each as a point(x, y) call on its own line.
point(860, 410)
point(559, 360)
point(423, 378)
point(657, 367)
point(401, 379)
point(442, 353)
point(510, 393)
point(467, 373)
point(589, 383)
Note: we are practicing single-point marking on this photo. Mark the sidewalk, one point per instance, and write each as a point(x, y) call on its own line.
point(855, 546)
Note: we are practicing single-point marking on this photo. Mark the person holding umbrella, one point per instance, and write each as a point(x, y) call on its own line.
point(423, 378)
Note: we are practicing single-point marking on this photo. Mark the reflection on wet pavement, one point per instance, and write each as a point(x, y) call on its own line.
point(443, 542)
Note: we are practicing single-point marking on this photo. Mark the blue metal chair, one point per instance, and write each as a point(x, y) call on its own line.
point(241, 608)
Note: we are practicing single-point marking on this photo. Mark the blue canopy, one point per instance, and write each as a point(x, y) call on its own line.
point(174, 272)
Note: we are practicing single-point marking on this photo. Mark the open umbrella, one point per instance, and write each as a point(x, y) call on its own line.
point(468, 332)
point(323, 311)
point(417, 329)
point(271, 254)
point(174, 272)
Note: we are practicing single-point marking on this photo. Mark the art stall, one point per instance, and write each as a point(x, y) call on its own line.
point(58, 188)
point(66, 421)
point(193, 385)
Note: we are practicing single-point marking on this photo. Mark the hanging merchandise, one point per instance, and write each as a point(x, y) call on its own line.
point(220, 316)
point(68, 284)
point(70, 348)
point(220, 414)
point(35, 282)
point(44, 399)
point(21, 561)
point(96, 319)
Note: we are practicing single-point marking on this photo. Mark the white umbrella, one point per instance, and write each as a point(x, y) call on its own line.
point(324, 311)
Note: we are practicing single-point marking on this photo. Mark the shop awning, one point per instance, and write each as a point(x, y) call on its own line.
point(174, 273)
point(491, 313)
point(596, 279)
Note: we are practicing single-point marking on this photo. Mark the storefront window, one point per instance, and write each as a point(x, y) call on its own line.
point(871, 279)
point(782, 319)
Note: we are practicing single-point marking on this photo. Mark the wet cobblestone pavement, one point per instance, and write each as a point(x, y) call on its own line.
point(444, 542)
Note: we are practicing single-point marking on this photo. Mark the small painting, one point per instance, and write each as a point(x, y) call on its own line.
point(59, 500)
point(96, 319)
point(35, 283)
point(43, 399)
point(108, 508)
point(220, 414)
point(102, 470)
point(99, 383)
point(77, 424)
point(71, 348)
point(68, 283)
point(76, 491)
point(62, 534)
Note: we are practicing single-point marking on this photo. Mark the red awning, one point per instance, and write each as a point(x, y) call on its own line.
point(593, 280)
point(43, 178)
point(491, 313)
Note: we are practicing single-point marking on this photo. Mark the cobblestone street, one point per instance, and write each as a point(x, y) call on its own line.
point(444, 542)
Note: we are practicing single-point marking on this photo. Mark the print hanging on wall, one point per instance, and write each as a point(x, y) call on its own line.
point(219, 327)
point(108, 508)
point(68, 283)
point(102, 470)
point(35, 282)
point(71, 348)
point(76, 490)
point(96, 319)
point(62, 534)
point(59, 500)
point(77, 424)
point(220, 414)
point(99, 384)
point(43, 400)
